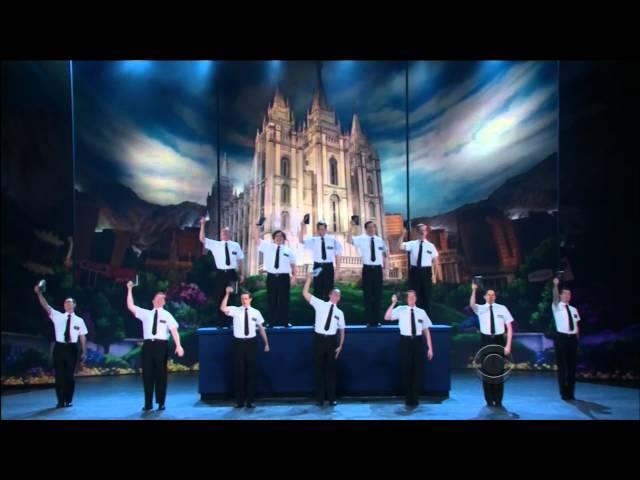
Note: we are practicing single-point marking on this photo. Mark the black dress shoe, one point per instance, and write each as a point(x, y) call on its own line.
point(147, 408)
point(68, 404)
point(59, 405)
point(288, 325)
point(238, 405)
point(250, 405)
point(333, 403)
point(320, 403)
point(499, 405)
point(161, 407)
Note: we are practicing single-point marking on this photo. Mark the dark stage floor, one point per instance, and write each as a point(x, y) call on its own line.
point(528, 396)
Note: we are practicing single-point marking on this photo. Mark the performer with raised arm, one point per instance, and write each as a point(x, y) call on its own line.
point(328, 322)
point(156, 326)
point(229, 258)
point(326, 249)
point(70, 330)
point(566, 319)
point(246, 320)
point(494, 320)
point(414, 324)
point(423, 265)
point(374, 253)
point(280, 263)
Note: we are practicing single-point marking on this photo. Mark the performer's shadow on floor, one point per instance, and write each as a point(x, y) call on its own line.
point(44, 412)
point(590, 408)
point(495, 413)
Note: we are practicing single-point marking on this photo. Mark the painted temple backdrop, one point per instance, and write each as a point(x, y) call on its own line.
point(160, 144)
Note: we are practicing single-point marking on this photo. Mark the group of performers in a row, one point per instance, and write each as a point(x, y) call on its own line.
point(329, 326)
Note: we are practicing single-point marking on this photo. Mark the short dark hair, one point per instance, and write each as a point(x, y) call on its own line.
point(284, 235)
point(73, 300)
point(159, 292)
point(417, 227)
point(565, 289)
point(368, 222)
point(321, 224)
point(245, 292)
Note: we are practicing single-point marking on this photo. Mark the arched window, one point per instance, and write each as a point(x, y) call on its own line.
point(335, 212)
point(284, 166)
point(333, 171)
point(372, 210)
point(369, 185)
point(284, 222)
point(284, 194)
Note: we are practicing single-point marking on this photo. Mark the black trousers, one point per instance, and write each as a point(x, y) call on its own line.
point(323, 283)
point(278, 288)
point(65, 356)
point(566, 357)
point(155, 355)
point(244, 369)
point(324, 347)
point(372, 293)
point(420, 281)
point(412, 364)
point(493, 392)
point(224, 279)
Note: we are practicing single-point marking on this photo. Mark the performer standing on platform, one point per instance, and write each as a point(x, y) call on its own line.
point(69, 329)
point(414, 324)
point(329, 320)
point(374, 259)
point(494, 319)
point(245, 321)
point(280, 264)
point(156, 325)
point(325, 249)
point(423, 265)
point(566, 341)
point(228, 257)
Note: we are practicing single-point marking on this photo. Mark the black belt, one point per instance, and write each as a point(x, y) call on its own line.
point(411, 337)
point(567, 334)
point(323, 263)
point(154, 340)
point(492, 336)
point(65, 343)
point(415, 266)
point(371, 266)
point(325, 334)
point(226, 269)
point(244, 339)
point(277, 274)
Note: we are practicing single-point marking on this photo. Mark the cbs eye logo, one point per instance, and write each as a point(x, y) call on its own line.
point(492, 365)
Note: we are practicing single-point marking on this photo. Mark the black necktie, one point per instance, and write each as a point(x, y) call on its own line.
point(67, 332)
point(246, 322)
point(154, 329)
point(373, 251)
point(419, 262)
point(324, 250)
point(277, 264)
point(227, 258)
point(328, 322)
point(493, 320)
point(413, 323)
point(570, 318)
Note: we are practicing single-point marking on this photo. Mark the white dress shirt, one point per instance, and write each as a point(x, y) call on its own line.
point(165, 322)
point(253, 315)
point(217, 247)
point(363, 244)
point(429, 252)
point(403, 315)
point(322, 311)
point(269, 250)
point(332, 247)
point(501, 317)
point(59, 320)
point(561, 317)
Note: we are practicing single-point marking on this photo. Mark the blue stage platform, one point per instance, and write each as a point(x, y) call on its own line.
point(368, 365)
